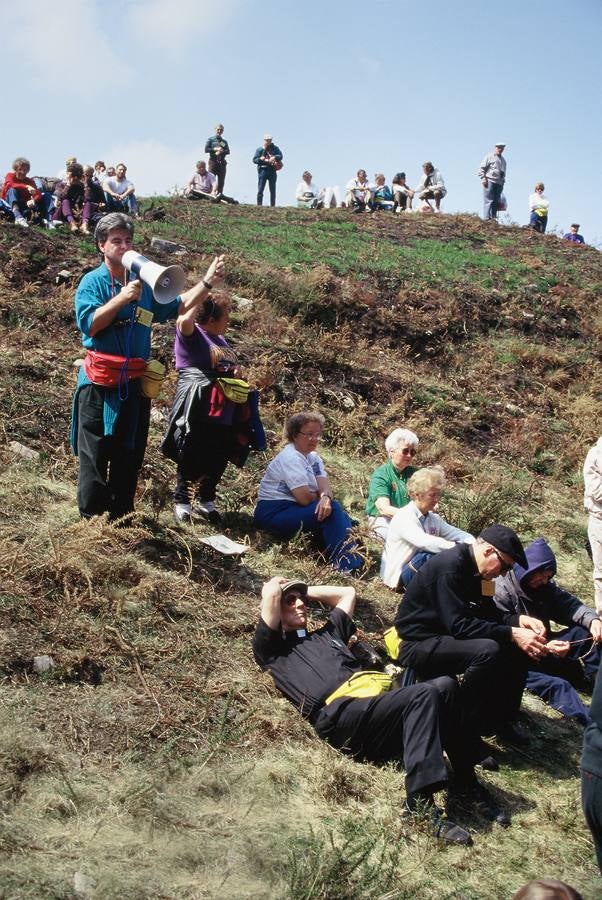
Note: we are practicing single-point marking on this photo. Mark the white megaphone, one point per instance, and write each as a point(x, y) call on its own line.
point(165, 283)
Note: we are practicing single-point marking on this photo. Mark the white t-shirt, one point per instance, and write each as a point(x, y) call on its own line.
point(288, 471)
point(410, 533)
point(119, 187)
point(304, 188)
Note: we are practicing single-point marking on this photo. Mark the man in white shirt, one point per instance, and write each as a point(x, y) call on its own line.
point(120, 192)
point(592, 477)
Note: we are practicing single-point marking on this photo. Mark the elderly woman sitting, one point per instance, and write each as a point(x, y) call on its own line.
point(388, 486)
point(295, 494)
point(416, 532)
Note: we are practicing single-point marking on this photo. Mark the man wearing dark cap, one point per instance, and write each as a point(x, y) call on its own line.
point(449, 625)
point(363, 713)
point(573, 235)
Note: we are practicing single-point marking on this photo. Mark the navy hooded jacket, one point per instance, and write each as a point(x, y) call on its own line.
point(550, 602)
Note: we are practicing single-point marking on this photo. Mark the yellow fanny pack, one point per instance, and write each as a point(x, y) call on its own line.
point(392, 642)
point(363, 684)
point(153, 378)
point(235, 389)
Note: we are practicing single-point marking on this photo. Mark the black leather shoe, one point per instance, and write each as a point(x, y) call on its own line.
point(512, 734)
point(479, 798)
point(446, 830)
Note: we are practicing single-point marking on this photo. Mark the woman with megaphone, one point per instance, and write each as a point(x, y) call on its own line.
point(111, 413)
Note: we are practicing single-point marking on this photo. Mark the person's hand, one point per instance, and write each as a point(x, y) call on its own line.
point(31, 189)
point(596, 631)
point(532, 624)
point(484, 182)
point(216, 270)
point(272, 589)
point(558, 648)
point(31, 203)
point(131, 292)
point(324, 508)
point(530, 643)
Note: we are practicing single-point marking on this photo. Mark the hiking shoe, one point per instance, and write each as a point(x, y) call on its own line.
point(19, 220)
point(206, 508)
point(489, 764)
point(483, 757)
point(478, 797)
point(182, 513)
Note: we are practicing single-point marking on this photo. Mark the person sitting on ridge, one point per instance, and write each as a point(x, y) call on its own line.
point(382, 196)
point(307, 195)
point(431, 186)
point(119, 192)
point(402, 194)
point(365, 714)
point(573, 235)
point(359, 193)
point(20, 195)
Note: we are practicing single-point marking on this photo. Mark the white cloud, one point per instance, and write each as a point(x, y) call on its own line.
point(62, 45)
point(170, 24)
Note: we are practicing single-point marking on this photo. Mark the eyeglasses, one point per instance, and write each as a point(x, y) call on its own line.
point(504, 566)
point(310, 435)
point(408, 451)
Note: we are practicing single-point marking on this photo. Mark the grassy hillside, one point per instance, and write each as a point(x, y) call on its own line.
point(154, 759)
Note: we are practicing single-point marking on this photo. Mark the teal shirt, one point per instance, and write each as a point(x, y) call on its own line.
point(386, 481)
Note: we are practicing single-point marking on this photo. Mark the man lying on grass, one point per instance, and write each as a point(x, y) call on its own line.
point(364, 713)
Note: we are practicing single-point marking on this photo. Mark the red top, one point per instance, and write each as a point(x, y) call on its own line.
point(10, 181)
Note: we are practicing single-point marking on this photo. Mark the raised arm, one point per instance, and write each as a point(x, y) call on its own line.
point(339, 596)
point(192, 298)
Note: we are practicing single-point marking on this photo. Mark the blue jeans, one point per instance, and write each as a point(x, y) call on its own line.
point(491, 199)
point(409, 570)
point(539, 223)
point(286, 518)
point(266, 174)
point(129, 205)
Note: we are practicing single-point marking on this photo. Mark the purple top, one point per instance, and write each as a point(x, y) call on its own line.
point(210, 353)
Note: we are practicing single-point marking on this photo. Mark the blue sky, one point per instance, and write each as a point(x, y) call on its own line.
point(341, 85)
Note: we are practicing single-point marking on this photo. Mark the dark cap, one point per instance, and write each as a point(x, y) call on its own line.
point(575, 225)
point(299, 586)
point(505, 539)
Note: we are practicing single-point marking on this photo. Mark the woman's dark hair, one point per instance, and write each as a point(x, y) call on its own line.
point(299, 420)
point(397, 178)
point(213, 308)
point(76, 169)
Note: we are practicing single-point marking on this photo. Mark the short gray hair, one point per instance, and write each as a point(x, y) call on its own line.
point(112, 222)
point(401, 436)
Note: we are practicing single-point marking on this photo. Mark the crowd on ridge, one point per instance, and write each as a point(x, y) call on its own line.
point(478, 608)
point(81, 194)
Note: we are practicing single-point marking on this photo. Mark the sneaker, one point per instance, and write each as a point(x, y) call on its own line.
point(206, 508)
point(478, 797)
point(182, 513)
point(19, 220)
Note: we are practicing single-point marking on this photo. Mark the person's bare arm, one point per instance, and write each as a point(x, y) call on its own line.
point(304, 495)
point(385, 507)
point(271, 595)
point(339, 596)
point(192, 298)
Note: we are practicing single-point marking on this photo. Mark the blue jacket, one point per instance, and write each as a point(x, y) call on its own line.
point(550, 602)
point(272, 149)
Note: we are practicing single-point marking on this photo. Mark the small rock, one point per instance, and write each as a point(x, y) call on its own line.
point(43, 664)
point(83, 885)
point(167, 246)
point(243, 302)
point(348, 403)
point(63, 277)
point(20, 450)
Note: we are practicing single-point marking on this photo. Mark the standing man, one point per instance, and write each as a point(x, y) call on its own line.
point(363, 713)
point(268, 160)
point(492, 173)
point(450, 625)
point(111, 415)
point(218, 149)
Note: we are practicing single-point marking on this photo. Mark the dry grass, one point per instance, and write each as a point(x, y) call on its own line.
point(154, 757)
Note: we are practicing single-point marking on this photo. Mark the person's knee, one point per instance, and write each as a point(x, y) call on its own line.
point(487, 652)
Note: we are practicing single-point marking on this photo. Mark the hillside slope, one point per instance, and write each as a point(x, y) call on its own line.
point(154, 758)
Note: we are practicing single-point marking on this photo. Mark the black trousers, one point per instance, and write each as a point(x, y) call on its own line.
point(204, 459)
point(411, 725)
point(108, 467)
point(494, 675)
point(591, 799)
point(218, 167)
